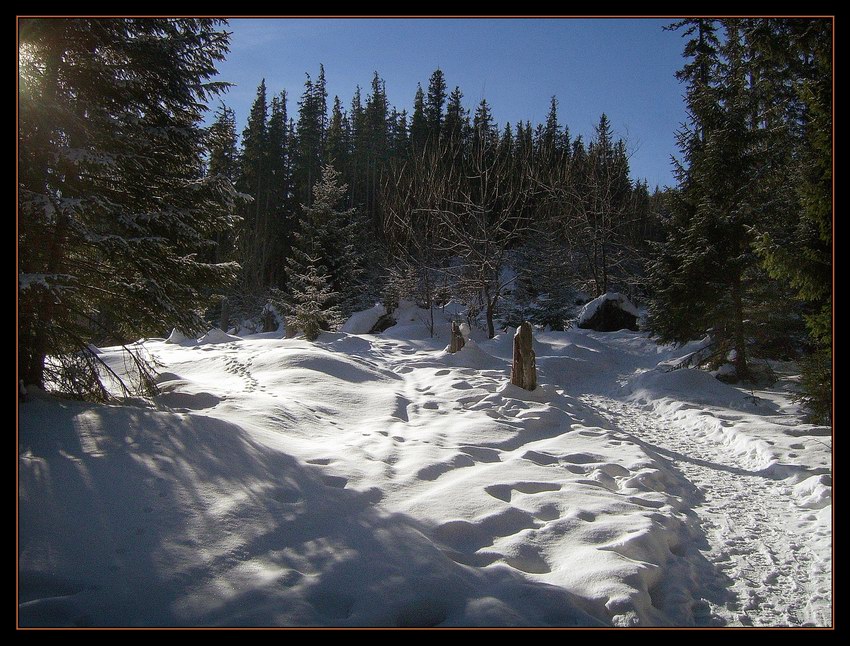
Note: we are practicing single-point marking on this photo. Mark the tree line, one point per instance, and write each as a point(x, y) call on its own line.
point(435, 202)
point(134, 217)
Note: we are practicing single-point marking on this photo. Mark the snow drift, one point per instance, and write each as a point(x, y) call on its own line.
point(376, 480)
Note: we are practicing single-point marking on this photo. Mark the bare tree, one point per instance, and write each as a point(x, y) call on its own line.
point(411, 231)
point(480, 218)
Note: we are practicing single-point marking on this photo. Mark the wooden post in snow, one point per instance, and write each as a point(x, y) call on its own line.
point(524, 369)
point(457, 341)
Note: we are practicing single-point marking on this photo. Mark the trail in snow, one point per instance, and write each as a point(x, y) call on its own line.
point(772, 572)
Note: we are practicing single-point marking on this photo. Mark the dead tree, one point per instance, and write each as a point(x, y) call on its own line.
point(524, 368)
point(457, 341)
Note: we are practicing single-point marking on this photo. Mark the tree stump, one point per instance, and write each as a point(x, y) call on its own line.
point(524, 369)
point(457, 341)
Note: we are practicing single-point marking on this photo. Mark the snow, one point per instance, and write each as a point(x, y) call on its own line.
point(217, 336)
point(590, 308)
point(178, 337)
point(377, 480)
point(363, 322)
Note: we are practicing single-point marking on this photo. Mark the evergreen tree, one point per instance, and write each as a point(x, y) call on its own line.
point(706, 268)
point(434, 105)
point(418, 123)
point(311, 305)
point(279, 195)
point(114, 206)
point(223, 162)
point(338, 143)
point(484, 133)
point(310, 135)
point(399, 138)
point(359, 144)
point(254, 181)
point(328, 240)
point(552, 134)
point(456, 122)
point(377, 146)
point(799, 251)
point(222, 146)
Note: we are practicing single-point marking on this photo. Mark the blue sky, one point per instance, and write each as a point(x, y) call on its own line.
point(623, 67)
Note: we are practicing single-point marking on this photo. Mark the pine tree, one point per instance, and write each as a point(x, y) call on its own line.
point(254, 181)
point(280, 192)
point(223, 162)
point(377, 145)
point(456, 122)
point(706, 269)
point(484, 133)
point(434, 105)
point(338, 143)
point(310, 135)
point(311, 304)
point(418, 123)
point(222, 147)
point(399, 136)
point(798, 252)
point(328, 239)
point(359, 149)
point(551, 141)
point(113, 203)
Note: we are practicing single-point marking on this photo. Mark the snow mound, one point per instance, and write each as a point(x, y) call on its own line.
point(379, 481)
point(814, 492)
point(472, 356)
point(218, 336)
point(183, 537)
point(362, 322)
point(178, 338)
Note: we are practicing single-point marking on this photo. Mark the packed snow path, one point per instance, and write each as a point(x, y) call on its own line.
point(767, 574)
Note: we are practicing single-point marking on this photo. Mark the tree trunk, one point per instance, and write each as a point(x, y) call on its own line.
point(31, 357)
point(524, 369)
point(742, 371)
point(491, 306)
point(224, 321)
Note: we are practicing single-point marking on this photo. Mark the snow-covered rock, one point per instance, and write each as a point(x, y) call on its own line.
point(363, 322)
point(608, 313)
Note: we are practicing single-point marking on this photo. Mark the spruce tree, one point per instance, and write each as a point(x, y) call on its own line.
point(114, 207)
point(310, 135)
point(254, 182)
point(222, 148)
point(311, 305)
point(706, 270)
point(456, 122)
point(376, 136)
point(279, 206)
point(338, 142)
point(418, 123)
point(798, 252)
point(434, 106)
point(329, 240)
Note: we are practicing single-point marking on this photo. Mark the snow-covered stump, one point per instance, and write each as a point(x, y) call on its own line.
point(457, 340)
point(524, 368)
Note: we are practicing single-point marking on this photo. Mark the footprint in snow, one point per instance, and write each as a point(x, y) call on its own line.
point(543, 459)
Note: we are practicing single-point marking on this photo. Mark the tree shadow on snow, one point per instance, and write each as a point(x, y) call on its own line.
point(133, 517)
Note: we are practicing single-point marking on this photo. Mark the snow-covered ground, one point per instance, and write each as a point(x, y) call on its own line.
point(376, 480)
